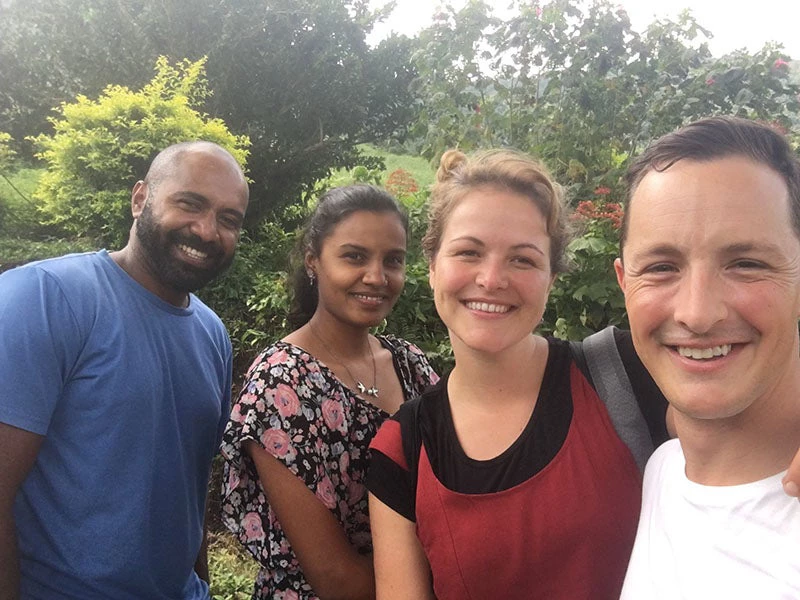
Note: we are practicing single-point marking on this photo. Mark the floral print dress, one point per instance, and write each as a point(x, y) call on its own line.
point(303, 415)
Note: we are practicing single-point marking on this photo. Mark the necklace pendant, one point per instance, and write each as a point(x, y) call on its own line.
point(361, 387)
point(373, 391)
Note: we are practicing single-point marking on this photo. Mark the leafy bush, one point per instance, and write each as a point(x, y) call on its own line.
point(19, 216)
point(232, 571)
point(18, 251)
point(587, 298)
point(252, 298)
point(100, 148)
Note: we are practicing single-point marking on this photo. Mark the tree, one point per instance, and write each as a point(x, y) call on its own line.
point(101, 147)
point(570, 82)
point(296, 76)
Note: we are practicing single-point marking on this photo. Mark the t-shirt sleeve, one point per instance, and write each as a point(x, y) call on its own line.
point(38, 337)
point(390, 478)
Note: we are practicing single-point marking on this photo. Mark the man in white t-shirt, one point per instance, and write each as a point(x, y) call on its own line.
point(710, 268)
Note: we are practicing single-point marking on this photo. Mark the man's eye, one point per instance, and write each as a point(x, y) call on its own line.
point(189, 204)
point(660, 268)
point(230, 223)
point(748, 264)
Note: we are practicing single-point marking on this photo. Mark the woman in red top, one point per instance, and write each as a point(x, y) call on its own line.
point(507, 479)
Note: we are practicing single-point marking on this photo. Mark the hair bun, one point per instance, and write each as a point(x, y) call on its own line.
point(448, 165)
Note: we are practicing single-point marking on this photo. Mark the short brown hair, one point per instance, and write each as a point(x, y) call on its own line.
point(712, 139)
point(459, 174)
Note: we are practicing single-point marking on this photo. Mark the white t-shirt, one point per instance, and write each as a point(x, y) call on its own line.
point(709, 542)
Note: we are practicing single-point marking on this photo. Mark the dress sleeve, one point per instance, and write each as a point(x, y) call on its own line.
point(293, 412)
point(413, 368)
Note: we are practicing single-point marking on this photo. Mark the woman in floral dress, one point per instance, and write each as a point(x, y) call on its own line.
point(295, 448)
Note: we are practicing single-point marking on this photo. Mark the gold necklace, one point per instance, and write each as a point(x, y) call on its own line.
point(369, 391)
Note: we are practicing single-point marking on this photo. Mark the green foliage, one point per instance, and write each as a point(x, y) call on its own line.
point(18, 215)
point(231, 569)
point(101, 147)
point(296, 76)
point(7, 153)
point(418, 167)
point(587, 298)
point(252, 298)
point(18, 251)
point(414, 316)
point(571, 82)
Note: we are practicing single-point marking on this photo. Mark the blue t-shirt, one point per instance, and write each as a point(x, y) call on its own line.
point(131, 395)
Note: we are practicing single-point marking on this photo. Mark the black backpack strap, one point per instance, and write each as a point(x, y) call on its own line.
point(600, 355)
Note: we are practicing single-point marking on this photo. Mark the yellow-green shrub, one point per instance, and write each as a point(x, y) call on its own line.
point(101, 147)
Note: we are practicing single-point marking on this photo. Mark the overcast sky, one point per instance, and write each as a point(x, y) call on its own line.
point(735, 24)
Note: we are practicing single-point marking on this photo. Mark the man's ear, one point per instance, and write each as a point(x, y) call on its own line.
point(138, 198)
point(619, 269)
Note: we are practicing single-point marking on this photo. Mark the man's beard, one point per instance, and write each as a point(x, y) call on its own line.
point(159, 247)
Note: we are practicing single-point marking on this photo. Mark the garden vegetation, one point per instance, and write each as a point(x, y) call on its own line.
point(93, 89)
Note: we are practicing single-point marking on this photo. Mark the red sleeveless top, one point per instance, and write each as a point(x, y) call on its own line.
point(564, 533)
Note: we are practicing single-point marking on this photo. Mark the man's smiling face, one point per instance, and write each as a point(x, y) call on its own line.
point(189, 222)
point(711, 276)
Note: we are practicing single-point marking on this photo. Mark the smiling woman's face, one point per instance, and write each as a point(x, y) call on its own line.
point(491, 274)
point(361, 268)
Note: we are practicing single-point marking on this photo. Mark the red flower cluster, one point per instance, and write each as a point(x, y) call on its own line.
point(602, 191)
point(401, 183)
point(607, 211)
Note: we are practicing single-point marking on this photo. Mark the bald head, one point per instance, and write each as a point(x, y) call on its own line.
point(167, 161)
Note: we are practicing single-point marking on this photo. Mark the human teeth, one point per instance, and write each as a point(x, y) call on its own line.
point(486, 307)
point(368, 298)
point(704, 353)
point(192, 252)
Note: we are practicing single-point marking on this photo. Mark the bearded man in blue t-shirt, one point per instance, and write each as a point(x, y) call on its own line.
point(115, 385)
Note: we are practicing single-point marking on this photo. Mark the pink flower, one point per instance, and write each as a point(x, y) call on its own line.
point(287, 595)
point(344, 465)
point(247, 397)
point(355, 492)
point(276, 441)
point(779, 62)
point(251, 527)
point(710, 81)
point(286, 400)
point(326, 493)
point(233, 479)
point(278, 357)
point(236, 414)
point(332, 413)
